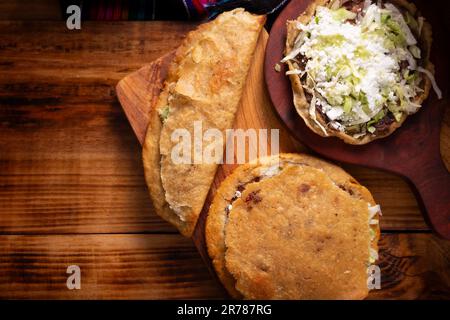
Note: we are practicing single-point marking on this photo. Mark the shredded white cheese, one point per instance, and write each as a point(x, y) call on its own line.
point(354, 69)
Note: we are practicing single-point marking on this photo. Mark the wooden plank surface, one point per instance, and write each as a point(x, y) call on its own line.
point(71, 179)
point(30, 10)
point(69, 128)
point(168, 266)
point(112, 267)
point(67, 153)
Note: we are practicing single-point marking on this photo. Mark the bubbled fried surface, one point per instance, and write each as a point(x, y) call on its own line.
point(259, 283)
point(205, 83)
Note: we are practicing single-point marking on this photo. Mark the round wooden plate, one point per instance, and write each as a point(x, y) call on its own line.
point(412, 151)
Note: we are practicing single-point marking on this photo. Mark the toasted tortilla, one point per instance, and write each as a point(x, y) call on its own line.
point(302, 104)
point(299, 230)
point(204, 83)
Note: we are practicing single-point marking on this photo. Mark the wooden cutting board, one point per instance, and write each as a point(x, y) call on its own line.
point(412, 151)
point(139, 91)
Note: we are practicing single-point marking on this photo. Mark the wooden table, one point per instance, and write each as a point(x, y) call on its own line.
point(72, 189)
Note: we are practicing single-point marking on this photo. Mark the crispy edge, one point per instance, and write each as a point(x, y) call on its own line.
point(151, 161)
point(301, 104)
point(150, 153)
point(216, 220)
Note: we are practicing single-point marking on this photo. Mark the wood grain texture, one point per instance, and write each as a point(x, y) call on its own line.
point(71, 180)
point(63, 135)
point(69, 161)
point(168, 266)
point(30, 10)
point(139, 91)
point(112, 267)
point(413, 266)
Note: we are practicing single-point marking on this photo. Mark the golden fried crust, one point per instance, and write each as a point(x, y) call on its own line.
point(151, 159)
point(204, 83)
point(301, 103)
point(219, 234)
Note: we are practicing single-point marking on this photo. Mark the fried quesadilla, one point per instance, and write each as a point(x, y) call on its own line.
point(358, 68)
point(293, 227)
point(204, 84)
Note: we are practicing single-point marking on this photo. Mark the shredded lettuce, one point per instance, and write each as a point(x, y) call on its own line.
point(355, 72)
point(433, 81)
point(343, 14)
point(374, 210)
point(296, 71)
point(291, 55)
point(403, 26)
point(164, 113)
point(373, 255)
point(411, 22)
point(372, 234)
point(348, 104)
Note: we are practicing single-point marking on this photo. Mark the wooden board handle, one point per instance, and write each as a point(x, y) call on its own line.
point(432, 186)
point(422, 165)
